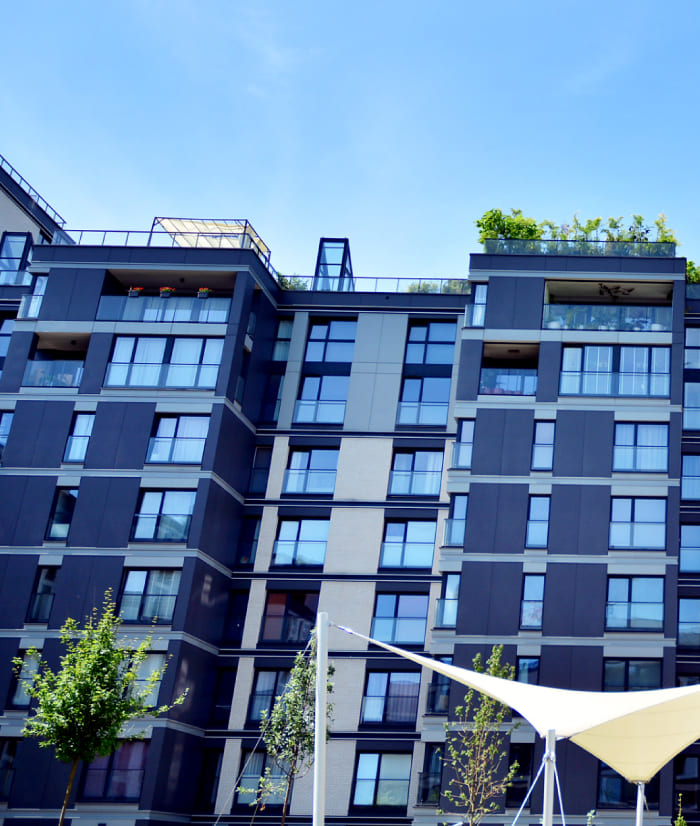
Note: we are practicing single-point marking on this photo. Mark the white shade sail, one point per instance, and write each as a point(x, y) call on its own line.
point(636, 733)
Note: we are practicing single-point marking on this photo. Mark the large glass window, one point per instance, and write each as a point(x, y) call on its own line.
point(616, 792)
point(456, 525)
point(149, 596)
point(691, 405)
point(690, 480)
point(641, 447)
point(41, 601)
point(430, 779)
point(446, 608)
point(162, 362)
point(331, 341)
point(77, 444)
point(256, 765)
point(543, 446)
point(269, 685)
point(424, 401)
point(301, 542)
point(439, 691)
point(408, 544)
point(283, 339)
point(522, 753)
point(607, 370)
point(686, 776)
point(289, 617)
point(475, 313)
point(15, 250)
point(431, 342)
point(400, 618)
point(19, 696)
point(322, 400)
point(381, 779)
point(8, 748)
point(311, 470)
point(692, 348)
point(638, 523)
point(416, 473)
point(178, 440)
point(118, 777)
point(62, 513)
point(690, 549)
point(163, 516)
point(7, 325)
point(538, 522)
point(391, 697)
point(635, 603)
point(5, 425)
point(462, 451)
point(689, 623)
point(631, 675)
point(532, 602)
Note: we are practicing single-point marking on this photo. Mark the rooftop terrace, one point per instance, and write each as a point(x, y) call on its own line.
point(637, 249)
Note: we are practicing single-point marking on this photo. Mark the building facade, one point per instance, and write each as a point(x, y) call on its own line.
point(445, 465)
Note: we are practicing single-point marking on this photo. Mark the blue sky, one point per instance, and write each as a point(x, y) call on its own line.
point(395, 124)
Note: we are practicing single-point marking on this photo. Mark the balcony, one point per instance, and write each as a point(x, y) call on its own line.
point(161, 527)
point(615, 317)
point(157, 309)
point(415, 482)
point(177, 450)
point(309, 481)
point(425, 414)
point(151, 374)
point(407, 555)
point(454, 532)
point(11, 275)
point(60, 373)
point(319, 412)
point(446, 613)
point(508, 381)
point(429, 788)
point(636, 249)
point(307, 552)
point(462, 455)
point(149, 609)
point(587, 383)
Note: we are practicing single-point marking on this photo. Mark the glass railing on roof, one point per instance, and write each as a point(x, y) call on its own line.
point(522, 246)
point(7, 167)
point(380, 285)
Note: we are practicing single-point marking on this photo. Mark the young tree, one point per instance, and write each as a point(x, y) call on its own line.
point(82, 708)
point(475, 750)
point(288, 731)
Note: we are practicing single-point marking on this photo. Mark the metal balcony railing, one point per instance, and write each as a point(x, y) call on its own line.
point(161, 527)
point(586, 383)
point(301, 552)
point(454, 532)
point(415, 482)
point(133, 374)
point(422, 413)
point(7, 167)
point(462, 455)
point(319, 412)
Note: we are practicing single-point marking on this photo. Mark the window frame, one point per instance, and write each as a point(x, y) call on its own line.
point(388, 716)
point(319, 403)
point(255, 707)
point(612, 380)
point(542, 445)
point(175, 442)
point(302, 614)
point(433, 349)
point(176, 528)
point(407, 557)
point(307, 472)
point(398, 619)
point(427, 478)
point(299, 545)
point(634, 624)
point(635, 524)
point(78, 442)
point(637, 449)
point(62, 512)
point(537, 529)
point(334, 341)
point(108, 767)
point(376, 779)
point(533, 584)
point(416, 407)
point(149, 591)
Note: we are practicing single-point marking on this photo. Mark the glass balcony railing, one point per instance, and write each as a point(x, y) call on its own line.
point(157, 309)
point(454, 532)
point(410, 630)
point(422, 413)
point(319, 412)
point(521, 246)
point(29, 306)
point(415, 482)
point(474, 315)
point(151, 608)
point(133, 374)
point(429, 788)
point(607, 317)
point(11, 275)
point(53, 374)
point(302, 552)
point(309, 481)
point(446, 613)
point(178, 450)
point(508, 381)
point(161, 527)
point(613, 384)
point(407, 555)
point(462, 455)
point(392, 710)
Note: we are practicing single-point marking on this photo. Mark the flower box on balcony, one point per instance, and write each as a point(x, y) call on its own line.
point(166, 292)
point(134, 292)
point(203, 292)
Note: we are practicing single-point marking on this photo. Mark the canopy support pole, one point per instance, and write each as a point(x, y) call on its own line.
point(319, 794)
point(549, 758)
point(639, 816)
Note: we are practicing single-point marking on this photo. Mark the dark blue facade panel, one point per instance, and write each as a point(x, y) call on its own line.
point(673, 529)
point(72, 295)
point(515, 303)
point(104, 512)
point(81, 584)
point(574, 600)
point(502, 442)
point(234, 446)
point(25, 505)
point(39, 781)
point(202, 602)
point(497, 518)
point(215, 522)
point(579, 520)
point(120, 435)
point(38, 434)
point(8, 649)
point(173, 769)
point(469, 369)
point(548, 367)
point(490, 599)
point(190, 670)
point(584, 443)
point(98, 354)
point(16, 361)
point(17, 573)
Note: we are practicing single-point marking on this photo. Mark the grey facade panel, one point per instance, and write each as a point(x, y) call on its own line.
point(497, 517)
point(81, 585)
point(579, 519)
point(548, 367)
point(515, 303)
point(16, 361)
point(490, 599)
point(72, 295)
point(17, 574)
point(502, 442)
point(98, 355)
point(574, 601)
point(120, 435)
point(25, 505)
point(104, 512)
point(38, 435)
point(469, 369)
point(583, 443)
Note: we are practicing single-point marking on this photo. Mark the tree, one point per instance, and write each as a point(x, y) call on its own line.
point(82, 708)
point(692, 272)
point(288, 731)
point(475, 750)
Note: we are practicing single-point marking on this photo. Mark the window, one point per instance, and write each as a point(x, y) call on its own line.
point(690, 549)
point(615, 792)
point(595, 370)
point(149, 596)
point(268, 686)
point(631, 675)
point(331, 341)
point(439, 691)
point(42, 595)
point(289, 617)
point(311, 471)
point(255, 765)
point(638, 523)
point(446, 608)
point(424, 402)
point(382, 779)
point(408, 544)
point(19, 696)
point(400, 618)
point(8, 749)
point(322, 400)
point(686, 776)
point(301, 542)
point(635, 604)
point(77, 444)
point(146, 669)
point(431, 342)
point(178, 440)
point(690, 479)
point(5, 425)
point(163, 362)
point(416, 473)
point(523, 754)
point(689, 623)
point(527, 670)
point(691, 405)
point(163, 516)
point(430, 779)
point(280, 351)
point(15, 252)
point(31, 304)
point(641, 447)
point(537, 522)
point(543, 446)
point(692, 348)
point(391, 697)
point(475, 313)
point(462, 450)
point(119, 776)
point(532, 602)
point(62, 513)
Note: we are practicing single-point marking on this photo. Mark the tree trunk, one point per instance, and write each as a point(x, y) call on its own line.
point(73, 770)
point(287, 795)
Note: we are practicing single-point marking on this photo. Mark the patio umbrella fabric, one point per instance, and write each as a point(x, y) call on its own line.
point(635, 733)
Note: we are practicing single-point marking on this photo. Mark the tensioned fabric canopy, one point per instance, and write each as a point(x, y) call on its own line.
point(636, 733)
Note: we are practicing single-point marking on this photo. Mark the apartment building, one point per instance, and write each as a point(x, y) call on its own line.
point(441, 464)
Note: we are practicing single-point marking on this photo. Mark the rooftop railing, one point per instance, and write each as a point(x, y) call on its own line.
point(7, 167)
point(301, 283)
point(522, 246)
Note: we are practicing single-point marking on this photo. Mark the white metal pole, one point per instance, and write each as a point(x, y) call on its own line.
point(639, 817)
point(549, 758)
point(319, 798)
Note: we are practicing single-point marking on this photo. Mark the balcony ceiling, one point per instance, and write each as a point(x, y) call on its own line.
point(609, 292)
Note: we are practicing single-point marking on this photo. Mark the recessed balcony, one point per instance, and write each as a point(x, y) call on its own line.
point(630, 318)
